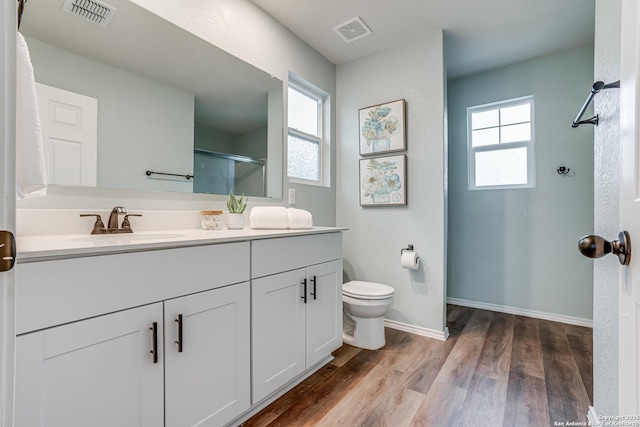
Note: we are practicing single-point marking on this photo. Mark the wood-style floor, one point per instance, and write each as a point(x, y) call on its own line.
point(494, 370)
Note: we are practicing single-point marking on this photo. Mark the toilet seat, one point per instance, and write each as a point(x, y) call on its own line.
point(367, 290)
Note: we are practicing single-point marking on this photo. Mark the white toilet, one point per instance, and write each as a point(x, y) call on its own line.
point(364, 306)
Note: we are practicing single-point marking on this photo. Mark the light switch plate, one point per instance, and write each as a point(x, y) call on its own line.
point(292, 196)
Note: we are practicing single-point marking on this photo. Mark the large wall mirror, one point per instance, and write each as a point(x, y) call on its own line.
point(167, 102)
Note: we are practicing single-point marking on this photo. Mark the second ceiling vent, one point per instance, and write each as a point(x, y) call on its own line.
point(352, 30)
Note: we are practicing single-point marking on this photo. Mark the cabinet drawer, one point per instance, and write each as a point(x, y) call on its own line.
point(54, 292)
point(271, 256)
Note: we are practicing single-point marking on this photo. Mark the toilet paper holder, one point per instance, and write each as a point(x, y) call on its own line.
point(408, 248)
point(410, 260)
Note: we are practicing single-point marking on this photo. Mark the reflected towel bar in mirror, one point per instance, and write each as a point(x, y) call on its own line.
point(149, 173)
point(597, 87)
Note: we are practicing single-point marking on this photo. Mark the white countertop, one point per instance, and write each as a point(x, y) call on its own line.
point(47, 247)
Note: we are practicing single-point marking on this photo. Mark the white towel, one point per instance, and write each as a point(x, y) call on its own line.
point(31, 172)
point(269, 217)
point(299, 218)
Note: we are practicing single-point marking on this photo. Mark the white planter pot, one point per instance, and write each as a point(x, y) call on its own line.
point(235, 221)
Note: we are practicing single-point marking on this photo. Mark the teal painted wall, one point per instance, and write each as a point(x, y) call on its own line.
point(518, 247)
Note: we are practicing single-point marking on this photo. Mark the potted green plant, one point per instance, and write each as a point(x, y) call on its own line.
point(236, 206)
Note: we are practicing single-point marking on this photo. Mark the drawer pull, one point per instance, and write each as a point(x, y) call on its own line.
point(154, 333)
point(304, 292)
point(314, 287)
point(179, 340)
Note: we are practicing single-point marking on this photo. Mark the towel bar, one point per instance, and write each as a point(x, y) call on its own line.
point(149, 173)
point(597, 87)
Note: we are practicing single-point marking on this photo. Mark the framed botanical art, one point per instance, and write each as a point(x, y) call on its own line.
point(383, 181)
point(382, 128)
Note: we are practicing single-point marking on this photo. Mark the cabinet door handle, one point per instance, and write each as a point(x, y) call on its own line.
point(154, 334)
point(314, 287)
point(179, 340)
point(304, 295)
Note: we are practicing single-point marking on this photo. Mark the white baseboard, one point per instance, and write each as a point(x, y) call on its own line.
point(593, 417)
point(418, 330)
point(523, 312)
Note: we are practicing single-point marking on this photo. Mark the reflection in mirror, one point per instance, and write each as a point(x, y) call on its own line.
point(167, 101)
point(220, 173)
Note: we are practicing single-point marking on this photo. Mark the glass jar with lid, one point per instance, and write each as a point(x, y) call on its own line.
point(210, 220)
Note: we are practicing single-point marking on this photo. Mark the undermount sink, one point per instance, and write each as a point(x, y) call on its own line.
point(127, 237)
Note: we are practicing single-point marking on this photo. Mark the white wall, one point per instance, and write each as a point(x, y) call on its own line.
point(246, 31)
point(372, 245)
point(517, 248)
point(137, 118)
point(607, 224)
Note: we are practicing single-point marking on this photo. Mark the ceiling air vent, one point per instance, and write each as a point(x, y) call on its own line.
point(91, 10)
point(352, 30)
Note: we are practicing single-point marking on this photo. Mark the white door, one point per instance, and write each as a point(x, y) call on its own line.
point(98, 372)
point(278, 331)
point(70, 133)
point(7, 203)
point(324, 310)
point(207, 367)
point(629, 292)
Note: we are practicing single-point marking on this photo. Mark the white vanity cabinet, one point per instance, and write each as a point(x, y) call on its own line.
point(202, 334)
point(296, 308)
point(84, 367)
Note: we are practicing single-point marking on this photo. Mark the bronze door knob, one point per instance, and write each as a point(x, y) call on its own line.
point(596, 247)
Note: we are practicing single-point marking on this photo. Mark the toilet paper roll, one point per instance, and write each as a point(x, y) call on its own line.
point(410, 260)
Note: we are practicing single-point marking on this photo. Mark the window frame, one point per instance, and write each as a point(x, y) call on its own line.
point(320, 140)
point(529, 145)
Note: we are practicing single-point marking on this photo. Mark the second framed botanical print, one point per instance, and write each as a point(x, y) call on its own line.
point(383, 181)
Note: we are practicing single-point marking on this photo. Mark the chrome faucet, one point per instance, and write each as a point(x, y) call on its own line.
point(113, 218)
